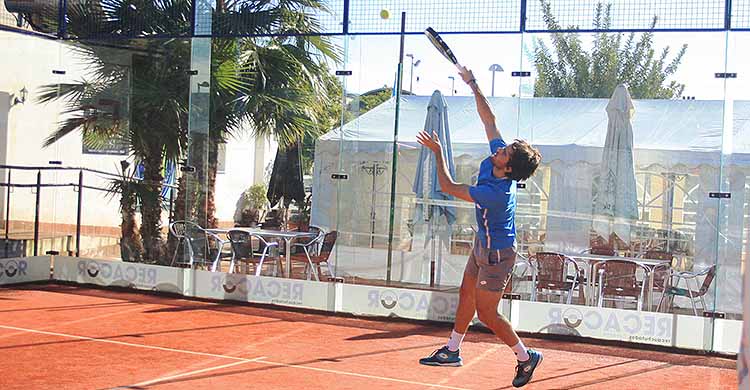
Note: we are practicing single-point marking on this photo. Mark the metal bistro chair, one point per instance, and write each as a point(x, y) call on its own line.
point(202, 247)
point(660, 272)
point(521, 273)
point(673, 290)
point(551, 276)
point(242, 250)
point(315, 252)
point(618, 281)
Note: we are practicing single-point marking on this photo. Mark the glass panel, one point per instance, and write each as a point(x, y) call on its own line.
point(676, 156)
point(25, 123)
point(733, 240)
point(361, 149)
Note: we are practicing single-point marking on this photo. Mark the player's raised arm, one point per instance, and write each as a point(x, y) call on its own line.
point(483, 107)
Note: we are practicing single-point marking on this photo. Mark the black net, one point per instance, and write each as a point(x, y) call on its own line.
point(41, 16)
point(252, 17)
point(107, 19)
point(626, 14)
point(741, 14)
point(442, 15)
point(128, 19)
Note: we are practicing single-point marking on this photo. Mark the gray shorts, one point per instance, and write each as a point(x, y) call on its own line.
point(491, 267)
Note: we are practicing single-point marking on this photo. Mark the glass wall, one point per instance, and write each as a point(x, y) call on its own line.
point(638, 204)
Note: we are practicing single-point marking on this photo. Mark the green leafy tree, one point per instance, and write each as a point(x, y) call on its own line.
point(275, 82)
point(368, 101)
point(573, 72)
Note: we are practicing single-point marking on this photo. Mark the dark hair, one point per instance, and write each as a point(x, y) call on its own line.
point(524, 160)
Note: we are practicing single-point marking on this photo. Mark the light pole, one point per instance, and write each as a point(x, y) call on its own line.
point(453, 85)
point(494, 68)
point(411, 75)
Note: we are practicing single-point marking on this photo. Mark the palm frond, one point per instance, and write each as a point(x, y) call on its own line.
point(68, 126)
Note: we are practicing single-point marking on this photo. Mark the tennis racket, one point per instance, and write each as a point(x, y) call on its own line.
point(441, 46)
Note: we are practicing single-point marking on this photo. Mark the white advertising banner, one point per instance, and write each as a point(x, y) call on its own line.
point(388, 302)
point(118, 273)
point(24, 269)
point(613, 324)
point(262, 289)
point(727, 335)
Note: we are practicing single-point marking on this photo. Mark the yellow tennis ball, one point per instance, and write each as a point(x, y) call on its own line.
point(384, 14)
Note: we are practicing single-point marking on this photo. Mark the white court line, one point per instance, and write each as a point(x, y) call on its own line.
point(59, 324)
point(359, 375)
point(243, 360)
point(168, 378)
point(126, 343)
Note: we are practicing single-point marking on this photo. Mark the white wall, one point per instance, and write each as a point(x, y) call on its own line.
point(246, 160)
point(28, 62)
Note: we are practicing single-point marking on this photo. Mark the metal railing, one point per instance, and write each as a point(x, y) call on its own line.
point(78, 186)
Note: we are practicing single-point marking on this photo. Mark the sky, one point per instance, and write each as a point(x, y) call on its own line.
point(374, 59)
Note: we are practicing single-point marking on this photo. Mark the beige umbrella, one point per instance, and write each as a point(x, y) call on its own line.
point(615, 199)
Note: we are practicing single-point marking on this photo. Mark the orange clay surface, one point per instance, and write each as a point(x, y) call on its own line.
point(65, 337)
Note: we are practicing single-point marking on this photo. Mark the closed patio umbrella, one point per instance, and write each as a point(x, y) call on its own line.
point(436, 121)
point(286, 178)
point(615, 200)
point(427, 188)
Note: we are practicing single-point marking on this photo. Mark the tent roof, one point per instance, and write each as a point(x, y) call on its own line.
point(683, 126)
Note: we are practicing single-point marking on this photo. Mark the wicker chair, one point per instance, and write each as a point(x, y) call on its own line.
point(243, 251)
point(551, 276)
point(315, 252)
point(618, 281)
point(674, 290)
point(201, 246)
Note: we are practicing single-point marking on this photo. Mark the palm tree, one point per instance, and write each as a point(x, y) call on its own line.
point(275, 83)
point(281, 88)
point(150, 86)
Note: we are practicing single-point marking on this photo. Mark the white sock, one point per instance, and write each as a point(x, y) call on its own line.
point(522, 354)
point(454, 343)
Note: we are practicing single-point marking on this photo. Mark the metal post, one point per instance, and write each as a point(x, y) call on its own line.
point(493, 84)
point(62, 21)
point(372, 207)
point(78, 218)
point(36, 211)
point(345, 21)
point(7, 215)
point(411, 77)
point(171, 205)
point(394, 170)
point(494, 68)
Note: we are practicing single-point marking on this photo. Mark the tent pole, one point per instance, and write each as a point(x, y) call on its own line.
point(399, 80)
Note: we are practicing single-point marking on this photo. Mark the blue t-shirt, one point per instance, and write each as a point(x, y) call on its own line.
point(495, 201)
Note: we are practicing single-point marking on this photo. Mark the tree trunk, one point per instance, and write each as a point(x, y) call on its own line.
point(151, 208)
point(179, 212)
point(131, 247)
point(213, 164)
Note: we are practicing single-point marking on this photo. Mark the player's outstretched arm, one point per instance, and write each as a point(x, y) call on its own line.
point(447, 184)
point(483, 107)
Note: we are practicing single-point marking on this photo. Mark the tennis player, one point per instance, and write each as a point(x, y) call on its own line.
point(493, 254)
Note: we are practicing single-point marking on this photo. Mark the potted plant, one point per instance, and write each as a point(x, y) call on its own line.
point(301, 219)
point(251, 206)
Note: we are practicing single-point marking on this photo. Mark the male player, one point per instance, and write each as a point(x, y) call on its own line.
point(493, 255)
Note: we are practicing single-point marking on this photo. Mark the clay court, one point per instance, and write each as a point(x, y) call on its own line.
point(70, 337)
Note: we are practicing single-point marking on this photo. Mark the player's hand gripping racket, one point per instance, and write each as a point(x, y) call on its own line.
point(441, 46)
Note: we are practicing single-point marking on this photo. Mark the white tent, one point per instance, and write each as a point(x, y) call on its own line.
point(682, 137)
